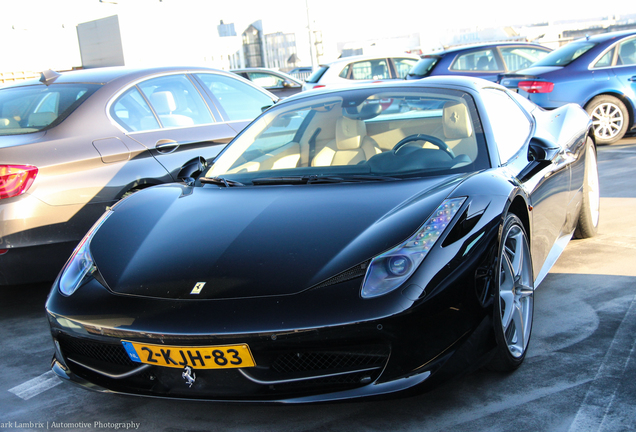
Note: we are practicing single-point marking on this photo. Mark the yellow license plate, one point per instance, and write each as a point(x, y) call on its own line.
point(201, 357)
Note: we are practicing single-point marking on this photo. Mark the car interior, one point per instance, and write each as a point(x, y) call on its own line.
point(378, 135)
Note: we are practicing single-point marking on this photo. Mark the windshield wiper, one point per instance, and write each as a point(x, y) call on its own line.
point(314, 179)
point(220, 181)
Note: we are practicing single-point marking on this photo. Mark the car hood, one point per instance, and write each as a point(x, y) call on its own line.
point(255, 241)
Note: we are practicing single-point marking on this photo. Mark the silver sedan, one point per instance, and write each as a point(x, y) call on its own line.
point(72, 144)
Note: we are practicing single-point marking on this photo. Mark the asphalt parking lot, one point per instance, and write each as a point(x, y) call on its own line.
point(580, 373)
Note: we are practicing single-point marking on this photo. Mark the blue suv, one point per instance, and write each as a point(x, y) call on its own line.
point(597, 72)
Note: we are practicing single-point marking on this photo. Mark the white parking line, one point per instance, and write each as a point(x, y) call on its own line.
point(36, 386)
point(593, 413)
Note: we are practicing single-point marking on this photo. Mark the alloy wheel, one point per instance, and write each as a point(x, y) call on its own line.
point(607, 120)
point(516, 292)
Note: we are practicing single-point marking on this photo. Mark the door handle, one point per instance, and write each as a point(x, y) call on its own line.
point(166, 146)
point(632, 79)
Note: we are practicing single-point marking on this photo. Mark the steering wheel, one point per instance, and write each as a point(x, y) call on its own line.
point(423, 137)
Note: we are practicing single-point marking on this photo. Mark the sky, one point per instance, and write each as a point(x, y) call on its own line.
point(25, 23)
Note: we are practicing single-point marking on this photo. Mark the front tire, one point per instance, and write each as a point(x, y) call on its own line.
point(609, 118)
point(514, 297)
point(589, 215)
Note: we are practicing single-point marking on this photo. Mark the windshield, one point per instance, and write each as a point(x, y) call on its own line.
point(33, 108)
point(359, 132)
point(566, 54)
point(424, 66)
point(315, 77)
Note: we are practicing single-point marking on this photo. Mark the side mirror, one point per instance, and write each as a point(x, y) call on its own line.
point(192, 169)
point(540, 151)
point(540, 155)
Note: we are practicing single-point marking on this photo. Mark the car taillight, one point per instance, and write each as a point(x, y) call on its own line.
point(318, 86)
point(16, 179)
point(536, 86)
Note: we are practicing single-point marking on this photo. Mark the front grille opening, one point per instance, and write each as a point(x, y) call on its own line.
point(105, 353)
point(329, 360)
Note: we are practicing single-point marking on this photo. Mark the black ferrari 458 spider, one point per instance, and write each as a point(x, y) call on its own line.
point(350, 243)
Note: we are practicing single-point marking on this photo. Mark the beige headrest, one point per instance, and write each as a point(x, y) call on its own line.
point(456, 121)
point(349, 133)
point(163, 102)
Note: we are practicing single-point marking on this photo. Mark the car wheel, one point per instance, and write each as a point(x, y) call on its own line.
point(609, 118)
point(514, 297)
point(587, 224)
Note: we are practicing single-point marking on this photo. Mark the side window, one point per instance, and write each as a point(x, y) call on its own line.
point(606, 60)
point(370, 69)
point(176, 101)
point(627, 53)
point(239, 100)
point(481, 61)
point(266, 80)
point(132, 112)
point(345, 72)
point(403, 66)
point(510, 125)
point(517, 58)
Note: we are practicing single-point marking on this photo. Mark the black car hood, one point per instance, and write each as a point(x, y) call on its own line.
point(255, 241)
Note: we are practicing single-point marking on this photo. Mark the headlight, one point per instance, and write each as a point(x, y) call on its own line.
point(391, 269)
point(81, 264)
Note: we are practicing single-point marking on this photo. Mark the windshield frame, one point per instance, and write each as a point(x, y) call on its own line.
point(226, 161)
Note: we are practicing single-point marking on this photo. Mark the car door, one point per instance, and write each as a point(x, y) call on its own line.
point(366, 71)
point(549, 194)
point(169, 116)
point(483, 63)
point(625, 67)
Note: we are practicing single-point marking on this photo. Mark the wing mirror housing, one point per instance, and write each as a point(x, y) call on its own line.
point(541, 154)
point(192, 170)
point(540, 151)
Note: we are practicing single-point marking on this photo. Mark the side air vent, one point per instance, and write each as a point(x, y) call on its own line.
point(352, 273)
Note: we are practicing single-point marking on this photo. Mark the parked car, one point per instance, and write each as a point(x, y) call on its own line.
point(596, 72)
point(72, 144)
point(334, 250)
point(279, 83)
point(483, 60)
point(347, 71)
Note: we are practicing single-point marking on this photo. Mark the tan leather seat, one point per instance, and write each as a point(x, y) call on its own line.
point(458, 130)
point(351, 146)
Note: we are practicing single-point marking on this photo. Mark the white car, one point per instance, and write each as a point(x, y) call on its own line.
point(361, 69)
